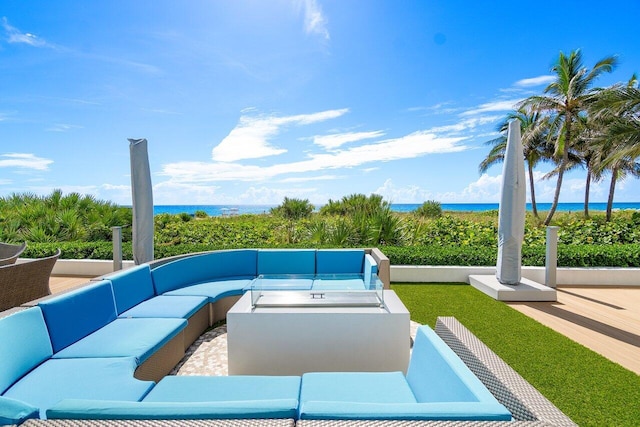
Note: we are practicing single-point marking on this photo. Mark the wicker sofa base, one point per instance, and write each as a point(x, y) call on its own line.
point(198, 323)
point(162, 361)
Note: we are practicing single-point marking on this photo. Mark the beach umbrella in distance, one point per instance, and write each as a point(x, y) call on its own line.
point(512, 210)
point(142, 197)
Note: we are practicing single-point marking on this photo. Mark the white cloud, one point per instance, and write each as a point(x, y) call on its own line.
point(535, 81)
point(410, 146)
point(311, 178)
point(410, 194)
point(62, 127)
point(250, 138)
point(13, 35)
point(24, 161)
point(336, 140)
point(502, 105)
point(484, 190)
point(466, 124)
point(315, 21)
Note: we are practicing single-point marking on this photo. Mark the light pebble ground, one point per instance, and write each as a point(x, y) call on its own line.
point(208, 355)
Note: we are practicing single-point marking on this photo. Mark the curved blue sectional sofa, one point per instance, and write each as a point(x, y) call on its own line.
point(103, 351)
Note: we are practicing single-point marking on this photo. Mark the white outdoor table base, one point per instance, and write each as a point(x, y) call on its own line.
point(295, 340)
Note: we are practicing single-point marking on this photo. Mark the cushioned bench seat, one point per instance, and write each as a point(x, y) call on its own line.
point(438, 386)
point(94, 378)
point(135, 297)
point(195, 309)
point(193, 397)
point(138, 338)
point(83, 324)
point(216, 289)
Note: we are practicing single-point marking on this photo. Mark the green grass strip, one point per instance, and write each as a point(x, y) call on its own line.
point(590, 389)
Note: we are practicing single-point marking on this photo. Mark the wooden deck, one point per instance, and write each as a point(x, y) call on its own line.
point(604, 319)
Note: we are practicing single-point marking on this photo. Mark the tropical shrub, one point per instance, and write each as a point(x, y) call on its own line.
point(293, 209)
point(429, 209)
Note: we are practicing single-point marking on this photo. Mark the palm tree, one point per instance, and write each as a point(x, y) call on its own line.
point(565, 98)
point(617, 110)
point(534, 129)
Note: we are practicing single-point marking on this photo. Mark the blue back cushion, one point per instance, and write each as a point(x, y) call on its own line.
point(131, 287)
point(339, 261)
point(436, 373)
point(287, 261)
point(71, 317)
point(203, 268)
point(24, 344)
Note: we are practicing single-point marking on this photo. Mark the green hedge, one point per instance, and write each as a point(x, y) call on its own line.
point(568, 255)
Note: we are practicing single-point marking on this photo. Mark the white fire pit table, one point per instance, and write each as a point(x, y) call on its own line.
point(313, 325)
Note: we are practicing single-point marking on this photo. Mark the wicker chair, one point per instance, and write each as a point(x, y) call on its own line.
point(10, 253)
point(26, 281)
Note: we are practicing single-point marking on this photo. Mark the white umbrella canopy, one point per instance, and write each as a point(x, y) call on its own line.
point(142, 197)
point(512, 210)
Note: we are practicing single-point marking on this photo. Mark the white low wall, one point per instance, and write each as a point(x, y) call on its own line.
point(599, 276)
point(85, 267)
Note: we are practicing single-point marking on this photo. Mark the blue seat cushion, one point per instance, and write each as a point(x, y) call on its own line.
point(131, 287)
point(24, 344)
point(286, 261)
point(339, 261)
point(14, 411)
point(223, 388)
point(138, 338)
point(214, 290)
point(95, 378)
point(117, 410)
point(366, 387)
point(436, 373)
point(204, 268)
point(72, 316)
point(179, 307)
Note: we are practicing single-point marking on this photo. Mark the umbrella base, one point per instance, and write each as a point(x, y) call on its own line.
point(526, 290)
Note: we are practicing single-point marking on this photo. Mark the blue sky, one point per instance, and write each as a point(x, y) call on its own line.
point(246, 102)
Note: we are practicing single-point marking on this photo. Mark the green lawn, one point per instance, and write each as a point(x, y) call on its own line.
point(589, 388)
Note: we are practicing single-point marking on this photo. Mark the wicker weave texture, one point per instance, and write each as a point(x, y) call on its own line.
point(521, 398)
point(10, 253)
point(20, 283)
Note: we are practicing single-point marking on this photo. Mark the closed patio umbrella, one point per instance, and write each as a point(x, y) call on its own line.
point(142, 197)
point(512, 210)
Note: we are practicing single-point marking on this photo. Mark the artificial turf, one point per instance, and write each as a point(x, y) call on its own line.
point(590, 389)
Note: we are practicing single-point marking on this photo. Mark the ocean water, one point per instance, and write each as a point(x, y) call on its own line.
point(224, 210)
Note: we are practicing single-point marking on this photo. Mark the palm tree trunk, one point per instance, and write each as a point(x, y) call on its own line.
point(563, 166)
point(612, 188)
point(556, 196)
point(534, 208)
point(586, 192)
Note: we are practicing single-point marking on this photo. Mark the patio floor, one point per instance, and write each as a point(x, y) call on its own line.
point(604, 319)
